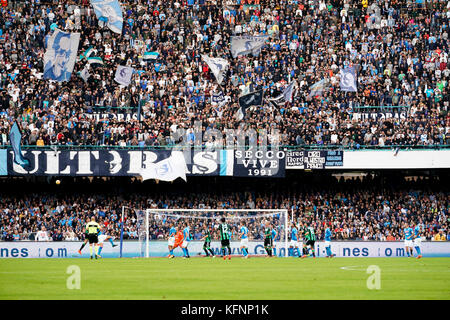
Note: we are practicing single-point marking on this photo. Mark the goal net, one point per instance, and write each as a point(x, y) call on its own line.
point(153, 227)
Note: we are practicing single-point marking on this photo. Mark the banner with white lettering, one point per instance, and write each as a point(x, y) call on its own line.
point(103, 163)
point(119, 162)
point(381, 115)
point(118, 116)
point(259, 163)
point(314, 159)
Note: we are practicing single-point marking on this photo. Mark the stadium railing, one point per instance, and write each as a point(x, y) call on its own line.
point(282, 147)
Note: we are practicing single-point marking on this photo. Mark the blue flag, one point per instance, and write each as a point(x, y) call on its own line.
point(59, 58)
point(109, 12)
point(15, 137)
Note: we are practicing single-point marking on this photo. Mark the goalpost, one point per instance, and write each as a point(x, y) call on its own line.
point(152, 227)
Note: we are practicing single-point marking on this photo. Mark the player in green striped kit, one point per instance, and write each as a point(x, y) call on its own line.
point(301, 237)
point(207, 243)
point(310, 237)
point(225, 235)
point(268, 239)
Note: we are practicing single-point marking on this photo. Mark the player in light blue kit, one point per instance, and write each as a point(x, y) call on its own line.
point(408, 231)
point(327, 239)
point(171, 241)
point(244, 239)
point(187, 238)
point(294, 241)
point(418, 240)
point(274, 235)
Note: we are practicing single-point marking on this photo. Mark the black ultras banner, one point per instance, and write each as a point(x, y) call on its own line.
point(48, 162)
point(100, 162)
point(314, 159)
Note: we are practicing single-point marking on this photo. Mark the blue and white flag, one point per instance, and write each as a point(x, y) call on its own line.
point(84, 74)
point(243, 45)
point(60, 56)
point(218, 66)
point(109, 12)
point(87, 53)
point(151, 55)
point(217, 98)
point(348, 79)
point(95, 60)
point(166, 170)
point(15, 138)
point(318, 88)
point(123, 75)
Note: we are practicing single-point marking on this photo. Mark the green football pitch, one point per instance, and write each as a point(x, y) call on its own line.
point(237, 279)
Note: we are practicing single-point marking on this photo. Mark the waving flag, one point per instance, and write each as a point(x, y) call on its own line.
point(84, 74)
point(243, 45)
point(109, 12)
point(252, 99)
point(123, 75)
point(218, 66)
point(318, 88)
point(60, 56)
point(15, 137)
point(95, 60)
point(286, 96)
point(151, 55)
point(348, 79)
point(217, 98)
point(87, 53)
point(168, 169)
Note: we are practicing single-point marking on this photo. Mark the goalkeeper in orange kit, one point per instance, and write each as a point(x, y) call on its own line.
point(179, 238)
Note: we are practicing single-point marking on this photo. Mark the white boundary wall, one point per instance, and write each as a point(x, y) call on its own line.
point(386, 159)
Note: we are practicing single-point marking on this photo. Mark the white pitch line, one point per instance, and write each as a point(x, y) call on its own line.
point(351, 268)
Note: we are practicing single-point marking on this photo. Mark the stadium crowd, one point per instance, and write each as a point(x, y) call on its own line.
point(354, 209)
point(400, 51)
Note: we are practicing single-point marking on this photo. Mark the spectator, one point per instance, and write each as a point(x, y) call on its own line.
point(440, 236)
point(42, 235)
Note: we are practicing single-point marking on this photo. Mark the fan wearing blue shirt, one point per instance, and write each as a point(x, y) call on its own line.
point(171, 240)
point(408, 231)
point(244, 239)
point(185, 243)
point(294, 241)
point(327, 239)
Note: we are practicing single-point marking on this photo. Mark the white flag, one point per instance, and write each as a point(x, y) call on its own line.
point(168, 169)
point(243, 45)
point(84, 74)
point(348, 79)
point(123, 75)
point(239, 115)
point(217, 66)
point(286, 96)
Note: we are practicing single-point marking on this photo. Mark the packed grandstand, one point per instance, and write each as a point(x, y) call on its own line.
point(398, 49)
point(401, 59)
point(368, 209)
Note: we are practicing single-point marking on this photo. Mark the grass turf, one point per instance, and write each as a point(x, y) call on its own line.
point(212, 279)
